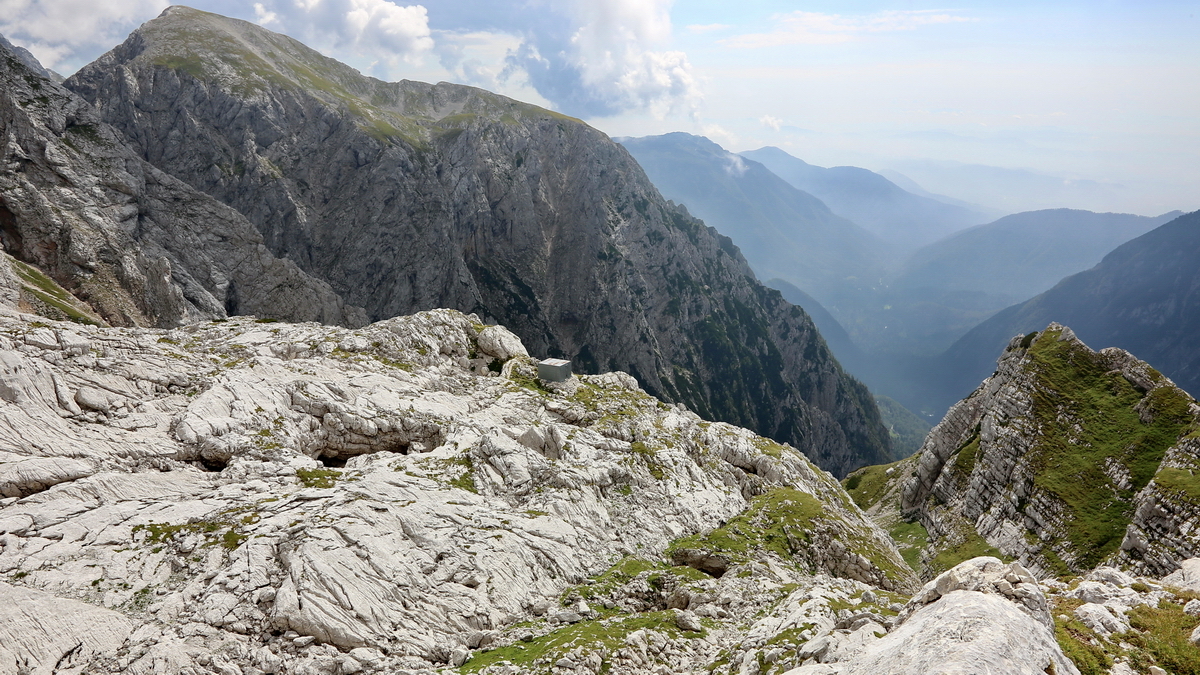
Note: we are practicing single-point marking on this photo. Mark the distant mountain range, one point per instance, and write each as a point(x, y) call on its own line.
point(1143, 297)
point(784, 232)
point(1021, 255)
point(905, 220)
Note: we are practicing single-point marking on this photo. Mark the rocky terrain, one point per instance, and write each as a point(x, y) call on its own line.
point(1064, 459)
point(408, 196)
point(249, 496)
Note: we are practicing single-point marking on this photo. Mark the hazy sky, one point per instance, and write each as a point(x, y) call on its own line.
point(1100, 97)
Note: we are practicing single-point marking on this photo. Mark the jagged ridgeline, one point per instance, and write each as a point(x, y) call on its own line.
point(408, 196)
point(1063, 459)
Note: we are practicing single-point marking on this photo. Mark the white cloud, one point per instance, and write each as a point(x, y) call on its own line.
point(54, 30)
point(816, 28)
point(264, 17)
point(599, 58)
point(379, 29)
point(735, 166)
point(773, 123)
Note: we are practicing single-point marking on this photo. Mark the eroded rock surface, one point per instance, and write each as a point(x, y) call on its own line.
point(300, 498)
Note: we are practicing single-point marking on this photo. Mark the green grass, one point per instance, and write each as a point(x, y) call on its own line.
point(49, 293)
point(1087, 416)
point(964, 457)
point(318, 478)
point(1085, 648)
point(778, 521)
point(869, 484)
point(162, 533)
point(604, 635)
point(972, 546)
point(911, 539)
point(1183, 482)
point(1160, 637)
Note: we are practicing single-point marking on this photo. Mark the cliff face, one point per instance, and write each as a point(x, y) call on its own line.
point(407, 196)
point(1065, 458)
point(138, 246)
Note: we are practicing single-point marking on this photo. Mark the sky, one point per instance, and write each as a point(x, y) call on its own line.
point(1097, 100)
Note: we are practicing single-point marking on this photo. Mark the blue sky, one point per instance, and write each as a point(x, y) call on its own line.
point(1101, 94)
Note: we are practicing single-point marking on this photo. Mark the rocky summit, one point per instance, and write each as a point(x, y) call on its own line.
point(408, 196)
point(1064, 459)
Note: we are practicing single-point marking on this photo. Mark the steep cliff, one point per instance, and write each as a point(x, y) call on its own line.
point(1065, 458)
point(408, 196)
point(138, 246)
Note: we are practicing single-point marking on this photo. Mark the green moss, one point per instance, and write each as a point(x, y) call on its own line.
point(603, 635)
point(778, 521)
point(971, 546)
point(318, 478)
point(465, 480)
point(651, 459)
point(869, 484)
point(215, 532)
point(1159, 636)
point(911, 539)
point(1087, 418)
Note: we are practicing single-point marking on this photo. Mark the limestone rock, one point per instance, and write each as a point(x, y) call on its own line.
point(246, 498)
point(42, 633)
point(991, 475)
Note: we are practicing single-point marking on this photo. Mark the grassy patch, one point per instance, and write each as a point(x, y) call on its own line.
point(1183, 482)
point(650, 457)
point(869, 484)
point(1159, 636)
point(56, 299)
point(215, 533)
point(1087, 417)
point(318, 478)
point(972, 546)
point(1087, 650)
point(778, 521)
point(603, 635)
point(911, 539)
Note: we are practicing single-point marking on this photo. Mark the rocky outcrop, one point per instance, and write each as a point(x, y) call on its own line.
point(982, 616)
point(136, 245)
point(1063, 458)
point(407, 196)
point(300, 498)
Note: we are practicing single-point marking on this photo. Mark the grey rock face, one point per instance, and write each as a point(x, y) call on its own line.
point(140, 247)
point(407, 196)
point(1064, 458)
